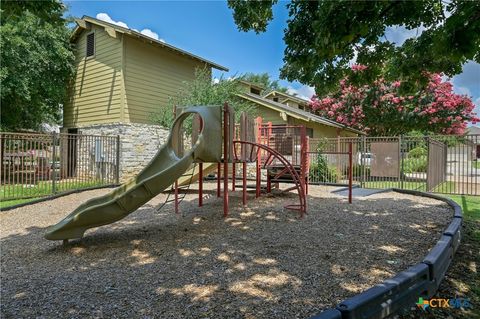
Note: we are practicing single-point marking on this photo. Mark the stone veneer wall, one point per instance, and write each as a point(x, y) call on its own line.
point(138, 143)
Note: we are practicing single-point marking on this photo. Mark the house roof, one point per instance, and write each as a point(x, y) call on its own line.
point(82, 24)
point(253, 85)
point(474, 130)
point(286, 96)
point(296, 113)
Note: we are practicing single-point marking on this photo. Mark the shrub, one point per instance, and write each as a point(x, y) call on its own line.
point(321, 172)
point(417, 152)
point(415, 165)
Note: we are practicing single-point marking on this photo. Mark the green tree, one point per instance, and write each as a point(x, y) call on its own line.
point(203, 91)
point(263, 80)
point(37, 63)
point(322, 37)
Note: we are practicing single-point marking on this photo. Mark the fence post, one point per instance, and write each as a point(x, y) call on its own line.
point(118, 161)
point(362, 161)
point(54, 156)
point(400, 155)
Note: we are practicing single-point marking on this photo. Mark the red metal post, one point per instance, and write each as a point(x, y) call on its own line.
point(350, 171)
point(307, 160)
point(176, 198)
point(219, 175)
point(226, 143)
point(233, 176)
point(200, 174)
point(269, 184)
point(244, 183)
point(303, 156)
point(259, 158)
point(200, 184)
point(258, 179)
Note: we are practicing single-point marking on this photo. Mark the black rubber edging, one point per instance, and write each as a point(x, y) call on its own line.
point(43, 199)
point(401, 291)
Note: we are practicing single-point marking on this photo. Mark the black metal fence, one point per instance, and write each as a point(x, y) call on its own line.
point(38, 165)
point(439, 164)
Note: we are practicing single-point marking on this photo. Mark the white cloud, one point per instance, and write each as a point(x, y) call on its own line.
point(105, 17)
point(147, 32)
point(216, 80)
point(305, 92)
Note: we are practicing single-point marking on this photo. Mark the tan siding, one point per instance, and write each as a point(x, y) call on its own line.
point(319, 130)
point(152, 76)
point(269, 115)
point(95, 94)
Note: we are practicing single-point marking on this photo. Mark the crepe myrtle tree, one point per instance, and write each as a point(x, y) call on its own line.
point(381, 108)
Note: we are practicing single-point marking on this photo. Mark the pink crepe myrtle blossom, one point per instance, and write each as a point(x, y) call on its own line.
point(380, 109)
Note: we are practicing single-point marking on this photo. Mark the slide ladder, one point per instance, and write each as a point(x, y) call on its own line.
point(182, 190)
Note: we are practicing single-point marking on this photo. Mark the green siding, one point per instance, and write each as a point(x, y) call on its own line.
point(152, 76)
point(319, 130)
point(95, 92)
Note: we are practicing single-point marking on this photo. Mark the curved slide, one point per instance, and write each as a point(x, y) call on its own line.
point(164, 169)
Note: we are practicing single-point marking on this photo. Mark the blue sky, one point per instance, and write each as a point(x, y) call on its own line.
point(206, 28)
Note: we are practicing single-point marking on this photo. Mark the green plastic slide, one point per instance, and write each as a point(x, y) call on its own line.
point(164, 169)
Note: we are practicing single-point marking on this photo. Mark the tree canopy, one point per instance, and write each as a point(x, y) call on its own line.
point(381, 109)
point(37, 63)
point(203, 91)
point(263, 80)
point(323, 37)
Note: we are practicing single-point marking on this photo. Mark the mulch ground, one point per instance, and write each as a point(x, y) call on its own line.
point(260, 262)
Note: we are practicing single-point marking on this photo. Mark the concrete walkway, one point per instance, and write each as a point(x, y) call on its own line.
point(358, 192)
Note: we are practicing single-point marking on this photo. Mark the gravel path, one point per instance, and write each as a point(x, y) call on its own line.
point(261, 262)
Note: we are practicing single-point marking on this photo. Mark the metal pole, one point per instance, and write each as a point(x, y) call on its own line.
point(226, 143)
point(244, 183)
point(118, 160)
point(54, 155)
point(350, 171)
point(176, 197)
point(233, 176)
point(200, 185)
point(219, 173)
point(400, 155)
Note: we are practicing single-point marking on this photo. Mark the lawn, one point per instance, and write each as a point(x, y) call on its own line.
point(43, 188)
point(476, 164)
point(445, 187)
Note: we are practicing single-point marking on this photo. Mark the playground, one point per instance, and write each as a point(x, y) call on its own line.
point(254, 240)
point(262, 261)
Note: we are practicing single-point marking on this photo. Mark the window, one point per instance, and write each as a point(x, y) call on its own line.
point(90, 44)
point(275, 99)
point(254, 91)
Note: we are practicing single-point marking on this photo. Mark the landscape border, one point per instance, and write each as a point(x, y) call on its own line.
point(403, 290)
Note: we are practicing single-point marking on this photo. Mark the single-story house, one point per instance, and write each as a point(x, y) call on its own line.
point(283, 109)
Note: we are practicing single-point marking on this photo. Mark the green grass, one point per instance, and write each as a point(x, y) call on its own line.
point(471, 210)
point(445, 187)
point(43, 188)
point(476, 164)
